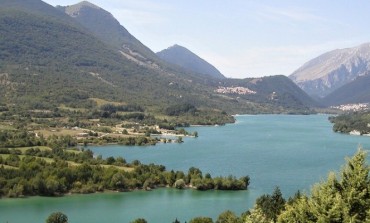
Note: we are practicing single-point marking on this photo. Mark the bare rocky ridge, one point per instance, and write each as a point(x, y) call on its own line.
point(326, 73)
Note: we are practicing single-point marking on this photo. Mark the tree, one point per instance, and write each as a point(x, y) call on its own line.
point(118, 181)
point(256, 215)
point(228, 217)
point(57, 217)
point(195, 134)
point(139, 220)
point(201, 220)
point(179, 140)
point(179, 184)
point(194, 173)
point(278, 203)
point(246, 180)
point(326, 203)
point(343, 200)
point(297, 212)
point(52, 185)
point(355, 187)
point(110, 160)
point(271, 205)
point(120, 160)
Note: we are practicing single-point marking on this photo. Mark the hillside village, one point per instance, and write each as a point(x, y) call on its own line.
point(352, 107)
point(235, 90)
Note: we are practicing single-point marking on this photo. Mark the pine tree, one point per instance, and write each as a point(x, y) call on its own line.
point(326, 202)
point(355, 188)
point(344, 200)
point(271, 205)
point(297, 212)
point(256, 215)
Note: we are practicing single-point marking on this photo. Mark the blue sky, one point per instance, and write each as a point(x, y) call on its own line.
point(245, 38)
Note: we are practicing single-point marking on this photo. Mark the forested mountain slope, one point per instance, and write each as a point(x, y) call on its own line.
point(357, 91)
point(48, 58)
point(278, 90)
point(103, 25)
point(185, 58)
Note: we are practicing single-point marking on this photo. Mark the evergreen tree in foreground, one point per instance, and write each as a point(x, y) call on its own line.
point(267, 208)
point(346, 199)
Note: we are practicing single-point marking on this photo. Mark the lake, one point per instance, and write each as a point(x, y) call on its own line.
point(292, 152)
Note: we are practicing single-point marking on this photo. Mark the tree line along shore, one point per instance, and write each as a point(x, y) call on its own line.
point(57, 169)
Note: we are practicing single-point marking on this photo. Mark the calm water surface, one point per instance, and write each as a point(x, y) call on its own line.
point(291, 152)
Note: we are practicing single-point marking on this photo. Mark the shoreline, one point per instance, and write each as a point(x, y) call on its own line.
point(69, 194)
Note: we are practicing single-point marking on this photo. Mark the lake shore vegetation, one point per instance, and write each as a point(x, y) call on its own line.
point(355, 123)
point(55, 172)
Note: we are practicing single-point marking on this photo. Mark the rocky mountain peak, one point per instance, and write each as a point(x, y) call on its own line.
point(326, 73)
point(75, 10)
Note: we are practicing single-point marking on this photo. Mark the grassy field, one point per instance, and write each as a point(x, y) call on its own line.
point(6, 127)
point(101, 102)
point(58, 132)
point(127, 169)
point(63, 107)
point(8, 167)
point(42, 148)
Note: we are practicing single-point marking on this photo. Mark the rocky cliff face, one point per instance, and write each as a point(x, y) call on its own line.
point(326, 73)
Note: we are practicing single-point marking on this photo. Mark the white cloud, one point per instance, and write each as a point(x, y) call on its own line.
point(288, 13)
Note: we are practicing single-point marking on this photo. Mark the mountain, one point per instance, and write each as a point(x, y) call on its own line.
point(108, 29)
point(326, 73)
point(32, 6)
point(185, 58)
point(357, 91)
point(104, 26)
point(49, 59)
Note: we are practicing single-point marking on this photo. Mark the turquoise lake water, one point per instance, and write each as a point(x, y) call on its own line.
point(292, 152)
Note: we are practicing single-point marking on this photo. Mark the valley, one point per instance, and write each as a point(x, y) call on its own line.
point(87, 108)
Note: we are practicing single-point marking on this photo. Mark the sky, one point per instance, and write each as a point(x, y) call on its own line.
point(244, 38)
